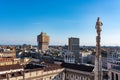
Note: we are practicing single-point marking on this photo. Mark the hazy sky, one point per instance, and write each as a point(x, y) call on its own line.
point(22, 20)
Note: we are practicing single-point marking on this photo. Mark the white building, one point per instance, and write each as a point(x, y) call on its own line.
point(113, 65)
point(78, 72)
point(69, 57)
point(86, 56)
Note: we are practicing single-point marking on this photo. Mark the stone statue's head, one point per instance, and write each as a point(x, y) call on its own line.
point(98, 18)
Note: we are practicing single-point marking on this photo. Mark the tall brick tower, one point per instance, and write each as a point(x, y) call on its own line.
point(43, 41)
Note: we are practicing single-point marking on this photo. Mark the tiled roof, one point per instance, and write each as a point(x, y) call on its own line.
point(47, 67)
point(31, 66)
point(10, 67)
point(52, 67)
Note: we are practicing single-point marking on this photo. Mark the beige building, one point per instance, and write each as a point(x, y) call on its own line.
point(43, 41)
point(8, 53)
point(8, 57)
point(16, 72)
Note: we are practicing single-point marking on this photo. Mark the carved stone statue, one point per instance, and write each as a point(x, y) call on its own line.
point(98, 26)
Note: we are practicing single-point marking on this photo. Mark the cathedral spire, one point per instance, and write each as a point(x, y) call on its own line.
point(98, 63)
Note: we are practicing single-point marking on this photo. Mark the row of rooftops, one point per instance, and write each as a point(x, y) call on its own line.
point(79, 67)
point(48, 67)
point(10, 67)
point(15, 74)
point(7, 49)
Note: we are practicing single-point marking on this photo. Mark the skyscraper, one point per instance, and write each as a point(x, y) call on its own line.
point(43, 41)
point(74, 47)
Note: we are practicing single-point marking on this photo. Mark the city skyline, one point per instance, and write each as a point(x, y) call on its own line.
point(21, 21)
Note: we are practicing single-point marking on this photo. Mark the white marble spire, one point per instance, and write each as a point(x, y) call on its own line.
point(98, 62)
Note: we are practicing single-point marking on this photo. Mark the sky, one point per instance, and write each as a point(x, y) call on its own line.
point(22, 20)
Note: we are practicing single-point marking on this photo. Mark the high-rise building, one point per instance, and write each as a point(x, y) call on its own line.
point(43, 41)
point(74, 47)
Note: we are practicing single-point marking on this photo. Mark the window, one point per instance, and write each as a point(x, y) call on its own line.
point(71, 76)
point(50, 77)
point(112, 74)
point(88, 79)
point(59, 75)
point(76, 77)
point(67, 75)
point(81, 78)
point(116, 76)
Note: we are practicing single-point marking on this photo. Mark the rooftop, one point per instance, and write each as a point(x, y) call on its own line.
point(47, 67)
point(10, 67)
point(80, 67)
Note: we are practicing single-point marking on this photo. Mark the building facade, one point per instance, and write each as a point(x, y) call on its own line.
point(8, 56)
point(7, 53)
point(78, 72)
point(114, 70)
point(43, 41)
point(74, 47)
point(113, 66)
